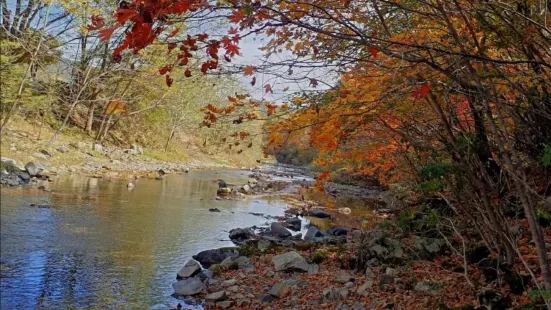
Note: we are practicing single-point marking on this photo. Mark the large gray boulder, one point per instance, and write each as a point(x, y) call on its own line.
point(188, 287)
point(241, 234)
point(190, 269)
point(290, 261)
point(33, 169)
point(293, 223)
point(279, 231)
point(215, 256)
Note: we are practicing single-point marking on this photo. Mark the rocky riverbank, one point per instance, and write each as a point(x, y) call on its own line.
point(296, 264)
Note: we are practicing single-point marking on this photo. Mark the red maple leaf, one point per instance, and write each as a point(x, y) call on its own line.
point(421, 92)
point(313, 83)
point(169, 80)
point(237, 16)
point(268, 88)
point(253, 81)
point(232, 50)
point(187, 73)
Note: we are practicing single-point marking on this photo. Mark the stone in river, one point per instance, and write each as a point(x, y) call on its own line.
point(190, 269)
point(279, 231)
point(188, 287)
point(215, 256)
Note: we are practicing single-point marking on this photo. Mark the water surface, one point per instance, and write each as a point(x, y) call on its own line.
point(101, 246)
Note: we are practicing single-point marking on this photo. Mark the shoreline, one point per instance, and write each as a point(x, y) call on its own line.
point(345, 267)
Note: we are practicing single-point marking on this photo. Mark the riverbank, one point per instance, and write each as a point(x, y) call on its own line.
point(317, 258)
point(76, 153)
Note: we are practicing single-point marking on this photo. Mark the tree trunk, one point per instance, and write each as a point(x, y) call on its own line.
point(170, 137)
point(16, 17)
point(6, 15)
point(90, 120)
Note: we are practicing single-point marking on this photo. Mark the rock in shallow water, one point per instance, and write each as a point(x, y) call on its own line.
point(215, 256)
point(313, 232)
point(190, 269)
point(293, 223)
point(279, 231)
point(188, 287)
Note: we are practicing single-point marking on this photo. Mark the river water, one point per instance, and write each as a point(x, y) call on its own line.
point(100, 246)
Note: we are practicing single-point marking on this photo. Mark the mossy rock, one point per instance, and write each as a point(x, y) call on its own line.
point(249, 249)
point(216, 268)
point(319, 256)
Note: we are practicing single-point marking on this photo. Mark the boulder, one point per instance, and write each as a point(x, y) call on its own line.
point(190, 269)
point(337, 231)
point(280, 290)
point(313, 232)
point(246, 188)
point(188, 287)
point(222, 183)
point(241, 234)
point(293, 223)
point(216, 296)
point(214, 256)
point(205, 274)
point(290, 261)
point(33, 169)
point(229, 263)
point(225, 304)
point(344, 277)
point(320, 214)
point(279, 231)
point(214, 210)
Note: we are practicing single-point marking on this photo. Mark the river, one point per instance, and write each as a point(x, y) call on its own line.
point(100, 246)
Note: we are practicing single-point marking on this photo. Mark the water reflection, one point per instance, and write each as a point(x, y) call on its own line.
point(102, 246)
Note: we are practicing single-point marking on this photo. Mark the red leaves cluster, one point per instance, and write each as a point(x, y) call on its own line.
point(147, 19)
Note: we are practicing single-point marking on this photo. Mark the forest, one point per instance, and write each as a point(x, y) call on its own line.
point(444, 104)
